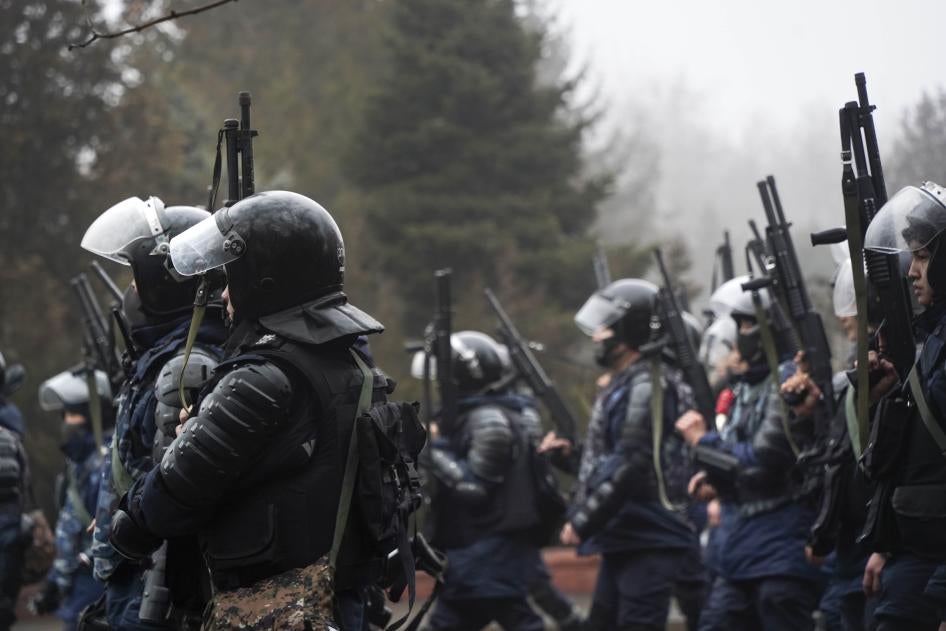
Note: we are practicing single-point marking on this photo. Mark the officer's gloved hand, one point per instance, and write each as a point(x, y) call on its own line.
point(130, 539)
point(46, 600)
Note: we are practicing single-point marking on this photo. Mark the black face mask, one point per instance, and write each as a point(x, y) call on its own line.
point(76, 441)
point(606, 352)
point(131, 307)
point(749, 345)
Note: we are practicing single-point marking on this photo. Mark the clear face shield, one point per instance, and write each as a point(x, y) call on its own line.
point(116, 232)
point(208, 245)
point(718, 341)
point(909, 221)
point(71, 388)
point(599, 312)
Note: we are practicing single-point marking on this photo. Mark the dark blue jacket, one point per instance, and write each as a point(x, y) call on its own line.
point(640, 522)
point(770, 542)
point(135, 427)
point(11, 418)
point(497, 565)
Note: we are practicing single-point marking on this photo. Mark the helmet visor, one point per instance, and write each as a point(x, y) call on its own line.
point(909, 221)
point(599, 312)
point(718, 342)
point(70, 388)
point(204, 247)
point(114, 234)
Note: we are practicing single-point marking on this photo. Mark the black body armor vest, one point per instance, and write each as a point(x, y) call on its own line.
point(282, 514)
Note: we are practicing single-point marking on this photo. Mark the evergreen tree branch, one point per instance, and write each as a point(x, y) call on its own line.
point(172, 15)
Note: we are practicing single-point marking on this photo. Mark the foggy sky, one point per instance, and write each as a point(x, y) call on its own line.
point(729, 91)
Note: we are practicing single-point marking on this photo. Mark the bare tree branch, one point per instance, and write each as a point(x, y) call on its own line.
point(172, 15)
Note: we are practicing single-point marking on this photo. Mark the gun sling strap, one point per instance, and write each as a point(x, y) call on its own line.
point(771, 356)
point(656, 429)
point(852, 419)
point(923, 406)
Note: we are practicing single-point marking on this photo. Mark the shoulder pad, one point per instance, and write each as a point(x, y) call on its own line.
point(322, 321)
point(261, 387)
point(492, 442)
point(247, 406)
point(199, 366)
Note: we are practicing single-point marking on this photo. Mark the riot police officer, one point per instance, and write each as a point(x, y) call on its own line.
point(907, 521)
point(70, 586)
point(13, 488)
point(762, 578)
point(260, 472)
point(845, 490)
point(157, 306)
point(629, 503)
point(484, 514)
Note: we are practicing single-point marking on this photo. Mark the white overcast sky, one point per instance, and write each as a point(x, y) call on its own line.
point(744, 57)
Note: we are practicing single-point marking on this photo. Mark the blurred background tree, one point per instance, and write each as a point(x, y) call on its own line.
point(437, 132)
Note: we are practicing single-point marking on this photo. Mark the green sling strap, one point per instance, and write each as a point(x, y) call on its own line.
point(72, 492)
point(939, 437)
point(856, 248)
point(657, 428)
point(95, 406)
point(351, 463)
point(771, 356)
point(121, 479)
point(852, 418)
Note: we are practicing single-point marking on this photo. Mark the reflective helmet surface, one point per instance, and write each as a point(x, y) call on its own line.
point(730, 299)
point(627, 306)
point(279, 249)
point(137, 233)
point(70, 388)
point(478, 362)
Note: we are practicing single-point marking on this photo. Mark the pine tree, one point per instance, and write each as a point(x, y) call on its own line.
point(468, 161)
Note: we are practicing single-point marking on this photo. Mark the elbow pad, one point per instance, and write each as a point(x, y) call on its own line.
point(449, 472)
point(167, 388)
point(597, 509)
point(235, 422)
point(770, 443)
point(491, 443)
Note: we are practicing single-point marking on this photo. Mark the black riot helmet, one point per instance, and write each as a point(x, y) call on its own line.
point(628, 306)
point(11, 377)
point(279, 249)
point(479, 362)
point(137, 232)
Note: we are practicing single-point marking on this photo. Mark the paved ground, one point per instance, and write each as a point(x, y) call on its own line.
point(49, 623)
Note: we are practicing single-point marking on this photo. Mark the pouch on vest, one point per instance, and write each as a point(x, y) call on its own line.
point(920, 512)
point(388, 491)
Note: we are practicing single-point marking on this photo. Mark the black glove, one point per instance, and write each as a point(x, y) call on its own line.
point(46, 599)
point(130, 539)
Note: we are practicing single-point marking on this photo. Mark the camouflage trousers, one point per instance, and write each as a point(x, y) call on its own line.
point(300, 599)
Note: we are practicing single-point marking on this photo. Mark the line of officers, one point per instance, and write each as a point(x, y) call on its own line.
point(246, 484)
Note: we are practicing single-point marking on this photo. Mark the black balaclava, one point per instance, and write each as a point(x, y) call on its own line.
point(606, 352)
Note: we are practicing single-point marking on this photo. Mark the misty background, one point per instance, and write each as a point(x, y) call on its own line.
point(725, 92)
point(501, 137)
